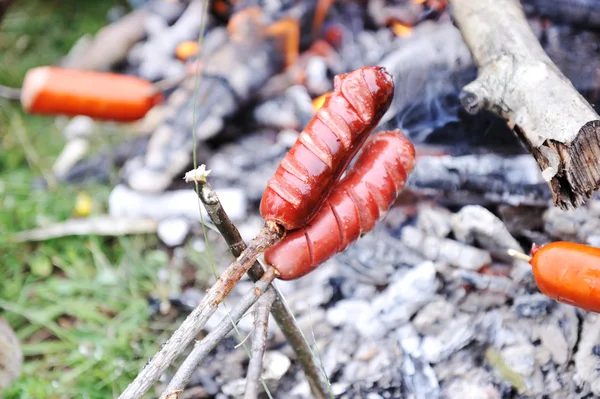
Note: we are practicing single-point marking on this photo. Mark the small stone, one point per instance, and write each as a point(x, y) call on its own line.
point(275, 365)
point(469, 387)
point(587, 362)
point(173, 231)
point(431, 318)
point(445, 250)
point(434, 220)
point(520, 359)
point(458, 333)
point(79, 126)
point(234, 388)
point(474, 223)
point(554, 340)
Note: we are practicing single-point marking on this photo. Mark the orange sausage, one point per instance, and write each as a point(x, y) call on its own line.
point(109, 96)
point(568, 273)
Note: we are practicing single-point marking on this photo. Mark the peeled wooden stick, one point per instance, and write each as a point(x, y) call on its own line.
point(259, 341)
point(519, 82)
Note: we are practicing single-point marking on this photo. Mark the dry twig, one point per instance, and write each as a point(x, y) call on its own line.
point(192, 325)
point(204, 347)
point(518, 81)
point(259, 342)
point(281, 313)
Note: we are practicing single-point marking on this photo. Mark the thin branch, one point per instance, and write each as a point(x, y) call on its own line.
point(204, 347)
point(9, 93)
point(281, 313)
point(192, 325)
point(259, 342)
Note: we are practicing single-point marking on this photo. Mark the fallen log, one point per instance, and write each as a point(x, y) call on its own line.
point(518, 81)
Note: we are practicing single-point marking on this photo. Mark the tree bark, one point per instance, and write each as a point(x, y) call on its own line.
point(519, 82)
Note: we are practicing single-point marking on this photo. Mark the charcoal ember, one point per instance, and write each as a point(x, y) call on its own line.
point(155, 56)
point(351, 288)
point(394, 306)
point(481, 179)
point(340, 352)
point(520, 358)
point(560, 383)
point(352, 312)
point(160, 68)
point(383, 12)
point(230, 75)
point(419, 377)
point(277, 112)
point(293, 110)
point(362, 48)
point(474, 224)
point(375, 366)
point(457, 334)
point(434, 220)
point(432, 318)
point(497, 284)
point(565, 319)
point(533, 306)
point(522, 273)
point(554, 341)
point(587, 358)
point(224, 364)
point(248, 163)
point(303, 296)
point(445, 250)
point(484, 301)
point(169, 152)
point(233, 384)
point(405, 296)
point(476, 383)
point(317, 77)
point(374, 258)
point(575, 225)
point(300, 98)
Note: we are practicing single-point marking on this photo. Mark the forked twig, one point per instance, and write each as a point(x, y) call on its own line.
point(204, 347)
point(281, 313)
point(192, 325)
point(259, 342)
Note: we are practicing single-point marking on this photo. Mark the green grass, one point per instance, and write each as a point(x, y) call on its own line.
point(79, 304)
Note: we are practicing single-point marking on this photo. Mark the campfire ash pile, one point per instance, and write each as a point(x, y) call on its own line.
point(429, 304)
